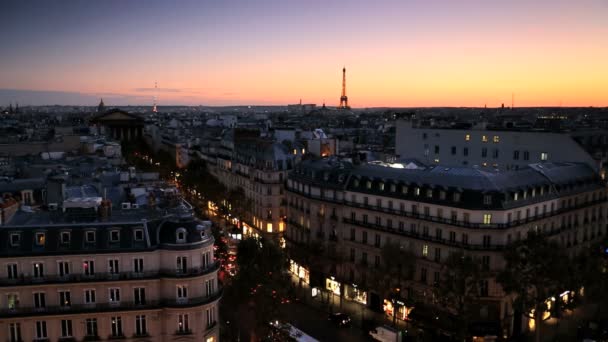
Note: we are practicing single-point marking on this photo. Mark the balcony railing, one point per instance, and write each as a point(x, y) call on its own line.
point(97, 277)
point(107, 307)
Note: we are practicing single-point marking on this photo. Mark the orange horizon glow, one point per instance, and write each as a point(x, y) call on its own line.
point(418, 54)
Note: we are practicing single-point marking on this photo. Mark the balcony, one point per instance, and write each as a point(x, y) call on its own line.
point(99, 277)
point(107, 307)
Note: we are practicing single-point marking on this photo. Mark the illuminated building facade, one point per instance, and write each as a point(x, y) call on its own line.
point(354, 210)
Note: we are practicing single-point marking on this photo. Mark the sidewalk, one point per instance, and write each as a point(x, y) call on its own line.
point(358, 312)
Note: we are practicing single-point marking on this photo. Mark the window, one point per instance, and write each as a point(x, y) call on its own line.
point(141, 328)
point(495, 153)
point(63, 268)
point(423, 275)
point(210, 316)
point(496, 139)
point(487, 218)
point(487, 199)
point(66, 328)
point(15, 239)
point(180, 235)
point(65, 239)
point(436, 149)
point(40, 239)
point(465, 151)
point(38, 270)
point(182, 292)
point(89, 296)
point(12, 301)
point(352, 254)
point(65, 299)
point(11, 271)
point(138, 235)
point(417, 191)
point(91, 327)
point(116, 326)
point(439, 233)
point(425, 250)
point(442, 195)
point(429, 193)
point(465, 239)
point(209, 287)
point(456, 197)
point(487, 240)
point(544, 156)
point(485, 262)
point(483, 288)
point(90, 236)
point(377, 240)
point(453, 150)
point(484, 138)
point(114, 297)
point(88, 267)
point(39, 300)
point(352, 234)
point(364, 237)
point(182, 264)
point(14, 332)
point(376, 260)
point(452, 236)
point(484, 152)
point(515, 155)
point(41, 330)
point(139, 295)
point(526, 155)
point(182, 323)
point(114, 236)
point(467, 137)
point(138, 265)
point(437, 254)
point(113, 267)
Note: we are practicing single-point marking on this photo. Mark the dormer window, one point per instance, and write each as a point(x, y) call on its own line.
point(393, 188)
point(90, 237)
point(15, 239)
point(457, 197)
point(356, 183)
point(368, 184)
point(40, 239)
point(65, 238)
point(417, 191)
point(442, 195)
point(181, 235)
point(114, 236)
point(381, 186)
point(404, 190)
point(487, 199)
point(429, 193)
point(138, 235)
point(515, 196)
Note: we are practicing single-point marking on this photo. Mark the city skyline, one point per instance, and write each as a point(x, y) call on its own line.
point(273, 53)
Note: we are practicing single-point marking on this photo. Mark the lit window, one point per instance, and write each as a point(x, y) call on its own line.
point(496, 139)
point(544, 156)
point(369, 185)
point(269, 227)
point(417, 191)
point(40, 239)
point(381, 186)
point(295, 151)
point(467, 137)
point(425, 250)
point(436, 161)
point(484, 138)
point(487, 218)
point(429, 193)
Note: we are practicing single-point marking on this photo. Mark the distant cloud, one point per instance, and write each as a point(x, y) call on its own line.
point(160, 90)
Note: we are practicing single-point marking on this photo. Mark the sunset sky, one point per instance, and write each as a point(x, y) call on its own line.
point(225, 52)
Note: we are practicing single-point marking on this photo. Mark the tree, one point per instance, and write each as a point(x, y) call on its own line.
point(261, 281)
point(397, 266)
point(458, 288)
point(590, 270)
point(533, 273)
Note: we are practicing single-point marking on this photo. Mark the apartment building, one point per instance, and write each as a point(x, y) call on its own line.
point(491, 149)
point(259, 166)
point(139, 275)
point(355, 210)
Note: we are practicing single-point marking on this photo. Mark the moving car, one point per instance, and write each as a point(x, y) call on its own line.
point(340, 319)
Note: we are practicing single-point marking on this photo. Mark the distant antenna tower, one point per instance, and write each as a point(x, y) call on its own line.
point(512, 100)
point(155, 92)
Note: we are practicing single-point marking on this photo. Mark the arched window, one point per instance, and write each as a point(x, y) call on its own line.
point(180, 235)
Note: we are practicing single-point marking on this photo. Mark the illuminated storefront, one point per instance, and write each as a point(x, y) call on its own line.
point(352, 292)
point(403, 311)
point(332, 285)
point(299, 271)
